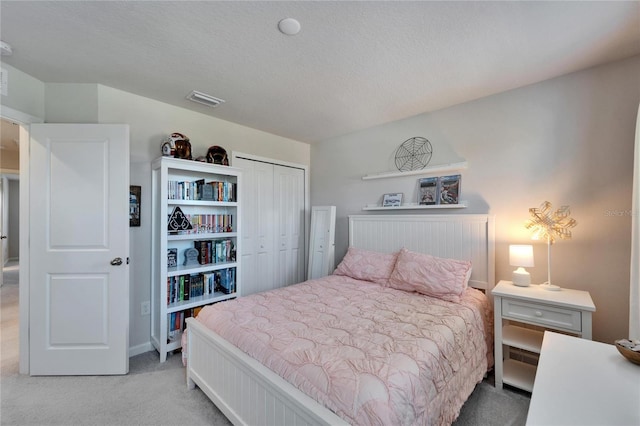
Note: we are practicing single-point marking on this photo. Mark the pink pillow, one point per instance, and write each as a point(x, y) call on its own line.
point(434, 276)
point(367, 265)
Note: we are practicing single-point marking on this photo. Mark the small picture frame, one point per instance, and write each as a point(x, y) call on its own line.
point(392, 200)
point(134, 205)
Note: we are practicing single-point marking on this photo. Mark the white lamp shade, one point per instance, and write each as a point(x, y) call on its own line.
point(521, 255)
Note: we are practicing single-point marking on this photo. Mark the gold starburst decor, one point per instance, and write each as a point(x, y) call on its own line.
point(548, 224)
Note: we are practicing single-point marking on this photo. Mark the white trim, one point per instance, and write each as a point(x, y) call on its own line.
point(252, 157)
point(634, 285)
point(18, 116)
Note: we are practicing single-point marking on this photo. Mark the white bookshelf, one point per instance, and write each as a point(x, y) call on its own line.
point(168, 307)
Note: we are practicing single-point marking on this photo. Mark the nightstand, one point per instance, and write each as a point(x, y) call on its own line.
point(514, 307)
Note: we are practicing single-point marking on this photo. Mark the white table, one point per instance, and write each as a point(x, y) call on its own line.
point(581, 382)
point(514, 307)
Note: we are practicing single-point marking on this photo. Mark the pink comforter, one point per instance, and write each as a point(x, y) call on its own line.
point(373, 355)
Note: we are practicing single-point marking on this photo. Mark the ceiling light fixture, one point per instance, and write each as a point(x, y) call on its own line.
point(5, 49)
point(204, 99)
point(289, 26)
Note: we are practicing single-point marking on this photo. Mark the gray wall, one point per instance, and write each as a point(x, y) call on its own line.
point(568, 140)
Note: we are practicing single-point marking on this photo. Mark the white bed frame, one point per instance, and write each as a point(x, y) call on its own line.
point(248, 393)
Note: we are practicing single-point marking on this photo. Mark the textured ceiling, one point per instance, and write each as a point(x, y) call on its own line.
point(353, 65)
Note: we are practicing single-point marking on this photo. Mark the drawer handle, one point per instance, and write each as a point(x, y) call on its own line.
point(538, 313)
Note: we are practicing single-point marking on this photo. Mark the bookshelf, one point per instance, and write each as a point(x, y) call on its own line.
point(195, 243)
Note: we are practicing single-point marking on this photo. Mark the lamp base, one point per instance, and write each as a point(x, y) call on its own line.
point(550, 287)
point(521, 278)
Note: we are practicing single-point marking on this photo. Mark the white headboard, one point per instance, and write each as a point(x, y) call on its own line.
point(460, 236)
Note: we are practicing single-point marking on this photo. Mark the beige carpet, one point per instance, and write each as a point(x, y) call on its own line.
point(154, 393)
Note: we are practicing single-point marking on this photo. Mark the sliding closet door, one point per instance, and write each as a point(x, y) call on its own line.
point(258, 218)
point(289, 199)
point(273, 225)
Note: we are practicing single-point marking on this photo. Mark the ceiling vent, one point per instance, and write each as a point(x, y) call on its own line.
point(5, 49)
point(204, 99)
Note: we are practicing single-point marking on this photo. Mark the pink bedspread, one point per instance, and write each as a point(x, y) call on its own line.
point(373, 355)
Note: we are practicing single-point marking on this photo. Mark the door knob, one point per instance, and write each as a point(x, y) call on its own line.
point(117, 261)
point(3, 237)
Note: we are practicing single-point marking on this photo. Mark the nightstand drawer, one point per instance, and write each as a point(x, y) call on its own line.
point(544, 315)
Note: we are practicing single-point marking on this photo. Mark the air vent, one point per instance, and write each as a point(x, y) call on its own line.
point(204, 99)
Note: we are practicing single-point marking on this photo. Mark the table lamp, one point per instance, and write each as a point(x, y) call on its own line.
point(521, 256)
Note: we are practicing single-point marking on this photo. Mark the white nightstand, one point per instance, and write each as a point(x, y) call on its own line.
point(565, 310)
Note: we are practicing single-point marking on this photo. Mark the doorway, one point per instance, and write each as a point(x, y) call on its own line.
point(9, 243)
point(9, 193)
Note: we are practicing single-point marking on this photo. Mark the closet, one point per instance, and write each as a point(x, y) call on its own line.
point(273, 223)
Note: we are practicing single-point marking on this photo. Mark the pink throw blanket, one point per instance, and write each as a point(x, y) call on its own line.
point(372, 354)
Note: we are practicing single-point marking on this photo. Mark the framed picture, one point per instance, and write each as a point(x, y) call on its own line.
point(428, 191)
point(134, 205)
point(449, 187)
point(392, 200)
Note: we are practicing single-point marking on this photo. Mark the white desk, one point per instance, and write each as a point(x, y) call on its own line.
point(581, 382)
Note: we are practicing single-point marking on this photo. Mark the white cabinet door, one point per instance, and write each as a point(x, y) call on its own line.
point(273, 227)
point(257, 248)
point(290, 241)
point(79, 248)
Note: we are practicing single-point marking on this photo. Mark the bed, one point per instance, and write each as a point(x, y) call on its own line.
point(376, 388)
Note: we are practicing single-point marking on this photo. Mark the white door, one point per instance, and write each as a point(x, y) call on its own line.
point(79, 248)
point(289, 200)
point(322, 241)
point(257, 226)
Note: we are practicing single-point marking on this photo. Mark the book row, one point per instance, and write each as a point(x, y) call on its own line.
point(176, 321)
point(215, 251)
point(199, 190)
point(206, 252)
point(188, 286)
point(206, 223)
point(439, 190)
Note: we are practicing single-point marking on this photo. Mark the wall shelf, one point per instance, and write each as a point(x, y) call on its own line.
point(463, 205)
point(440, 168)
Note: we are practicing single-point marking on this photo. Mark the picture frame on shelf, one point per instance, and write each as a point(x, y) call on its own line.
point(449, 189)
point(428, 191)
point(172, 257)
point(392, 199)
point(134, 205)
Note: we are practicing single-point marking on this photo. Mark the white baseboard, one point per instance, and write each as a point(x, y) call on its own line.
point(140, 349)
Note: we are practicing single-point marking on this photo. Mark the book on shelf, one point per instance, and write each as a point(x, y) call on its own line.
point(428, 191)
point(449, 187)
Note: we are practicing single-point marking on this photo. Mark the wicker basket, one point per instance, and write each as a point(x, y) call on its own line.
point(632, 356)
